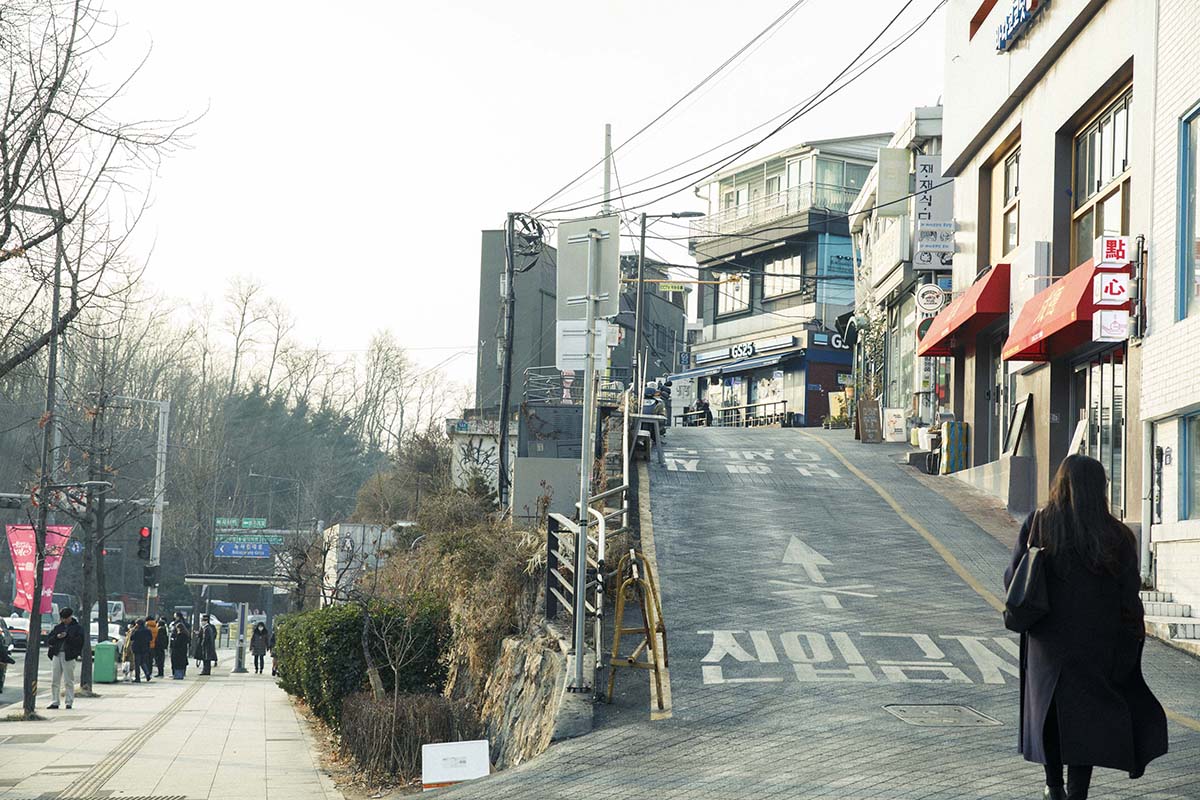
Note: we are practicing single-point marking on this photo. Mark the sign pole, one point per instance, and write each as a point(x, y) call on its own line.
point(160, 480)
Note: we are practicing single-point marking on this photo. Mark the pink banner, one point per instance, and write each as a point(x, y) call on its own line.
point(22, 543)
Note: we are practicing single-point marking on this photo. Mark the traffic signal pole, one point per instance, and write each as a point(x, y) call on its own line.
point(160, 479)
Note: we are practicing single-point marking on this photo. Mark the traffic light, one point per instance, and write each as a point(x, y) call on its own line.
point(150, 575)
point(144, 544)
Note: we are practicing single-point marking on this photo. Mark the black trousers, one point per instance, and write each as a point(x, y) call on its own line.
point(160, 660)
point(1079, 778)
point(259, 661)
point(141, 663)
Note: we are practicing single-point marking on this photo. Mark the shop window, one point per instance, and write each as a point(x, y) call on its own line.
point(1101, 178)
point(1189, 222)
point(1189, 483)
point(733, 296)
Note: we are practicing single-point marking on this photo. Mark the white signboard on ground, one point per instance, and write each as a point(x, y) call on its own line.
point(453, 762)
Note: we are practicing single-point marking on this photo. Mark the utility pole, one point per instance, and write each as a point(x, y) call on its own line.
point(33, 648)
point(606, 209)
point(509, 297)
point(160, 488)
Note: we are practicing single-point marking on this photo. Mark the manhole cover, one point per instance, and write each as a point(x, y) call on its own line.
point(941, 716)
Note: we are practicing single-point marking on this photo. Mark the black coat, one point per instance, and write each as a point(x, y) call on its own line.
point(1085, 655)
point(179, 650)
point(204, 644)
point(139, 640)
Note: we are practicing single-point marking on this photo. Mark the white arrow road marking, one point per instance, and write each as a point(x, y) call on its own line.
point(799, 553)
point(797, 591)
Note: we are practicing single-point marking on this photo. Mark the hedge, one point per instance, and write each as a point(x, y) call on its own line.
point(321, 659)
point(389, 733)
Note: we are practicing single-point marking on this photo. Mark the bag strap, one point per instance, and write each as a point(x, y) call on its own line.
point(1035, 529)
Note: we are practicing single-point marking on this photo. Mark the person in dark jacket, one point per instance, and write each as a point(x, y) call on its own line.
point(1084, 702)
point(161, 642)
point(204, 646)
point(259, 642)
point(140, 641)
point(179, 650)
point(66, 646)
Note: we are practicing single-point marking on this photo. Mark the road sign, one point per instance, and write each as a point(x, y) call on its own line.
point(671, 286)
point(242, 550)
point(685, 358)
point(572, 270)
point(76, 547)
point(251, 538)
point(228, 522)
point(254, 522)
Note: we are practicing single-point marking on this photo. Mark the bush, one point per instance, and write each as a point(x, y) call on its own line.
point(388, 733)
point(321, 658)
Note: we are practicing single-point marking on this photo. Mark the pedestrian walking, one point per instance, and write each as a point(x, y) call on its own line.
point(259, 642)
point(162, 640)
point(128, 662)
point(1084, 702)
point(140, 640)
point(179, 651)
point(204, 648)
point(66, 646)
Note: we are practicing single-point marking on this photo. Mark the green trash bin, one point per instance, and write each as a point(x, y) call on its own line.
point(104, 663)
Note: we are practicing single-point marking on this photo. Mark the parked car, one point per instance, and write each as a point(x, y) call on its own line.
point(18, 628)
point(6, 642)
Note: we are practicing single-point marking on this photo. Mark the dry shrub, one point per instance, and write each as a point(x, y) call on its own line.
point(384, 737)
point(480, 567)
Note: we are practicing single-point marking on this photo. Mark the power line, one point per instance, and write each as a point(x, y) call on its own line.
point(776, 22)
point(716, 166)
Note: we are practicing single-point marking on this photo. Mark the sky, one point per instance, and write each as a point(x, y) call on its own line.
point(348, 154)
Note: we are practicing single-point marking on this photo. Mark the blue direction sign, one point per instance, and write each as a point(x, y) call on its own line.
point(75, 547)
point(242, 550)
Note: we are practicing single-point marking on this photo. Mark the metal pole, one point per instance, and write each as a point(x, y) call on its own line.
point(637, 308)
point(33, 647)
point(506, 359)
point(585, 462)
point(160, 481)
point(239, 664)
point(607, 207)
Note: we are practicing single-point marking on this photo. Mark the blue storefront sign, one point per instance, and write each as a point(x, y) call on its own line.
point(1017, 22)
point(242, 550)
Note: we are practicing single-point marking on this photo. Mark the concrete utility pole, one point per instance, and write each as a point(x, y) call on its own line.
point(608, 161)
point(509, 297)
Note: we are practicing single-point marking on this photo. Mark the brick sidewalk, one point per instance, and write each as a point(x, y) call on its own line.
point(226, 737)
point(799, 605)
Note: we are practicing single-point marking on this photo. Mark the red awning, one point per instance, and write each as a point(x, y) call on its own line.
point(982, 303)
point(1058, 318)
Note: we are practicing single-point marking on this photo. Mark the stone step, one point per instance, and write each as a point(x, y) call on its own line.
point(1174, 627)
point(1187, 645)
point(1157, 597)
point(1159, 609)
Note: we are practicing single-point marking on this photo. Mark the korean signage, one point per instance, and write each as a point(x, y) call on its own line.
point(242, 550)
point(930, 298)
point(1109, 252)
point(22, 546)
point(252, 538)
point(933, 211)
point(1017, 22)
point(1110, 289)
point(239, 523)
point(670, 286)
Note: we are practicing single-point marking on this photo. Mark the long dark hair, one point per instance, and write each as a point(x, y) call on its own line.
point(1077, 524)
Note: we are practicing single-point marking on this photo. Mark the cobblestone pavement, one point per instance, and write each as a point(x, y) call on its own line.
point(804, 611)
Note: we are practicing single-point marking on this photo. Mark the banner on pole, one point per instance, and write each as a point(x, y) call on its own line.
point(22, 544)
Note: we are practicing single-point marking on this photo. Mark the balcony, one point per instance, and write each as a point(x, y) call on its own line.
point(774, 216)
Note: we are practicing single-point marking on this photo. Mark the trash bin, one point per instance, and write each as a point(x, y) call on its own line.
point(104, 663)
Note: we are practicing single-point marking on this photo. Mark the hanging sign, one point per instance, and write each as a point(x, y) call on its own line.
point(666, 286)
point(22, 545)
point(1110, 289)
point(930, 298)
point(1110, 251)
point(1110, 326)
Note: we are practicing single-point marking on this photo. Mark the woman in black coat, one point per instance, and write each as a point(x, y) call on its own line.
point(1084, 702)
point(179, 651)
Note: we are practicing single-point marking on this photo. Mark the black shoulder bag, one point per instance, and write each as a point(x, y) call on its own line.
point(1028, 599)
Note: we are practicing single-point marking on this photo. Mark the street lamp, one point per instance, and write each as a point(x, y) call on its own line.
point(160, 488)
point(641, 271)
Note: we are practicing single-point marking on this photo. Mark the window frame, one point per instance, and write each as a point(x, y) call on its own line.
point(1100, 190)
point(1186, 227)
point(724, 297)
point(1012, 200)
point(1187, 460)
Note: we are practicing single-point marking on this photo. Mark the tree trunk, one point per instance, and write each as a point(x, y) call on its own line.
point(372, 670)
point(101, 582)
point(85, 600)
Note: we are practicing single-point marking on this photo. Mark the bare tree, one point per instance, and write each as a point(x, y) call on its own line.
point(244, 314)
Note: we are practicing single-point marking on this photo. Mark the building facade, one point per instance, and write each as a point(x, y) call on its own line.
point(778, 269)
point(1048, 132)
point(1170, 386)
point(892, 265)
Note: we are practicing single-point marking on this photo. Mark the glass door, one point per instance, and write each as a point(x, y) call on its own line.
point(1098, 386)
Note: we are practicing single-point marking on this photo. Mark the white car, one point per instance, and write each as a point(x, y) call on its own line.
point(113, 633)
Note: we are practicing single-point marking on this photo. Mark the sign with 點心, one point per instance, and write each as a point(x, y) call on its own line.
point(1110, 326)
point(1110, 288)
point(1110, 251)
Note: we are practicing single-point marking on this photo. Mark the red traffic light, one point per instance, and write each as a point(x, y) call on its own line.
point(144, 533)
point(103, 552)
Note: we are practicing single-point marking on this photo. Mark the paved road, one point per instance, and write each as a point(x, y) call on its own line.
point(804, 613)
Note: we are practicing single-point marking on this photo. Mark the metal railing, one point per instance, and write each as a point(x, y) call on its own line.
point(776, 206)
point(752, 415)
point(552, 386)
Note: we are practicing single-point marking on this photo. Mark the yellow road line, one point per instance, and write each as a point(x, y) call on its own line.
point(646, 525)
point(992, 599)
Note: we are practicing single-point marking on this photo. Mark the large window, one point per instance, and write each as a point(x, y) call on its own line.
point(1189, 219)
point(778, 280)
point(1101, 178)
point(733, 296)
point(856, 175)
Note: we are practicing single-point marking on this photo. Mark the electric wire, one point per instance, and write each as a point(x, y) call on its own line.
point(776, 22)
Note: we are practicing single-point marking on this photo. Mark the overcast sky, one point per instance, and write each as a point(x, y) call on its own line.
point(351, 152)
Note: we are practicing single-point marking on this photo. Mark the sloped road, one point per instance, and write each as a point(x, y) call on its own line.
point(829, 638)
